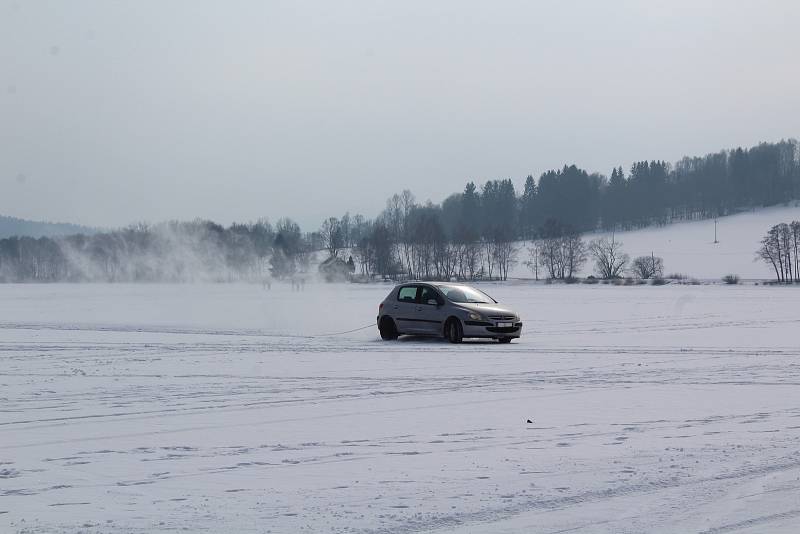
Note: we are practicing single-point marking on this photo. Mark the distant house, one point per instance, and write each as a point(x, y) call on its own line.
point(335, 269)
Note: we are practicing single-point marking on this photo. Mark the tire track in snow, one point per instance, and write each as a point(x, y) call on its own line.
point(491, 515)
point(753, 522)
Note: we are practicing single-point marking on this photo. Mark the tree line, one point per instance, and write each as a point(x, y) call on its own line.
point(470, 235)
point(167, 252)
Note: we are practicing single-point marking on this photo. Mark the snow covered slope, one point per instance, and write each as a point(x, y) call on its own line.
point(688, 247)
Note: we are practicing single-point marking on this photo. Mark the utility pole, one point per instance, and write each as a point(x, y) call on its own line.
point(715, 231)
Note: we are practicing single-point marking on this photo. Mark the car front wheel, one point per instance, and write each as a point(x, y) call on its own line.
point(453, 331)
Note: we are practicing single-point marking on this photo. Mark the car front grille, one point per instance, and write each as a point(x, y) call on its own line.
point(503, 330)
point(502, 317)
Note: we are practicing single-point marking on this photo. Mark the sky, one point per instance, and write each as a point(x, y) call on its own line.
point(119, 112)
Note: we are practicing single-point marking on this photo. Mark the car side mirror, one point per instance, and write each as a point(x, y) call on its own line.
point(433, 302)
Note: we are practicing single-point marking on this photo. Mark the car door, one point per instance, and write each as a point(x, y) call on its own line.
point(430, 316)
point(404, 309)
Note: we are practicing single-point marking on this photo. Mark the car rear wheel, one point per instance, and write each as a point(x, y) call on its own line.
point(387, 329)
point(453, 331)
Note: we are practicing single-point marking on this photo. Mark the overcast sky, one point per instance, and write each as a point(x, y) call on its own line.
point(116, 112)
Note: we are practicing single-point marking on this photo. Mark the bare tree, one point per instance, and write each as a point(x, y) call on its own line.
point(446, 256)
point(648, 267)
point(550, 256)
point(574, 254)
point(365, 253)
point(785, 235)
point(779, 248)
point(392, 221)
point(332, 237)
point(562, 256)
point(488, 257)
point(501, 254)
point(406, 204)
point(795, 227)
point(346, 230)
point(381, 243)
point(472, 260)
point(770, 251)
point(609, 259)
point(505, 255)
point(533, 259)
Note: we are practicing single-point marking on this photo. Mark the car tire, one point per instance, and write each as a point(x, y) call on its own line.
point(453, 330)
point(387, 329)
point(504, 340)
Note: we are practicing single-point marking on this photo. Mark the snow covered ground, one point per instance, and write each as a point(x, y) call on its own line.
point(688, 247)
point(143, 408)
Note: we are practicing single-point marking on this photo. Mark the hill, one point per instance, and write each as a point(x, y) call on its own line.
point(11, 226)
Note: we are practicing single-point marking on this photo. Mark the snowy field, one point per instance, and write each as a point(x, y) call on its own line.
point(688, 247)
point(146, 408)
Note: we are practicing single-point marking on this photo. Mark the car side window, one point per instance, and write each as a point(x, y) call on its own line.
point(407, 294)
point(429, 293)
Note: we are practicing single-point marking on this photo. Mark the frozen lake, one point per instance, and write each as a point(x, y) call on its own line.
point(142, 408)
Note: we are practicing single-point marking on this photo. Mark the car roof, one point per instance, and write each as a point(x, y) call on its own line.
point(436, 284)
point(418, 282)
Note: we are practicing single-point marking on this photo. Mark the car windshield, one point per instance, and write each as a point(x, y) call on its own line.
point(466, 294)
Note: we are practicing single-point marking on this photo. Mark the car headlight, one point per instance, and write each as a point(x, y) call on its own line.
point(475, 316)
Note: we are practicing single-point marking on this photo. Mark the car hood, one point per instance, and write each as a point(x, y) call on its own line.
point(487, 309)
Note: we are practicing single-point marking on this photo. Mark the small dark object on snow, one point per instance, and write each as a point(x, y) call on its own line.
point(529, 421)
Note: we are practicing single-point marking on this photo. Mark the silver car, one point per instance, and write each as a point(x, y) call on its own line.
point(453, 311)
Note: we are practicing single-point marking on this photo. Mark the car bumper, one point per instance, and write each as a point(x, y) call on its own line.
point(486, 329)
